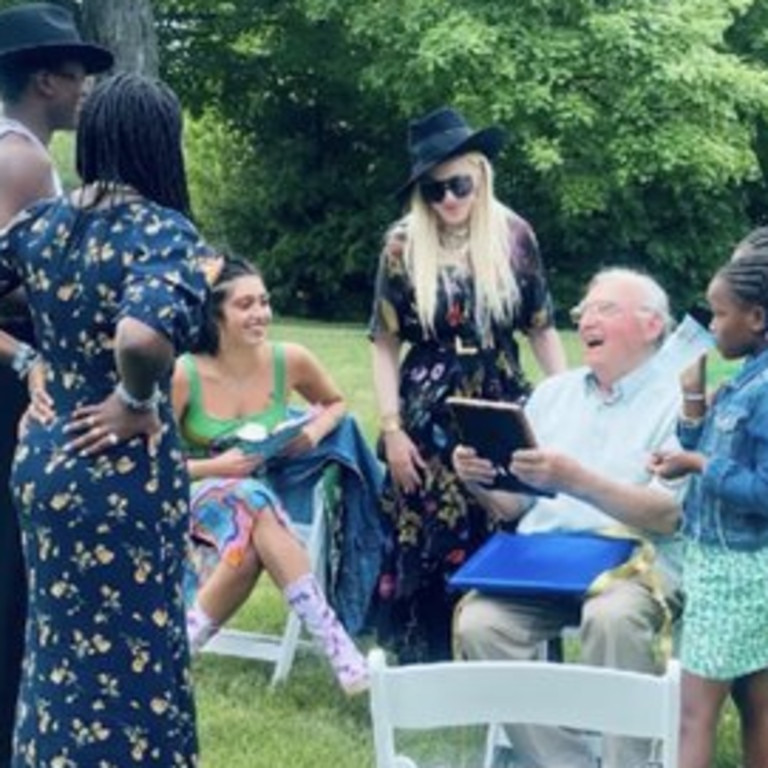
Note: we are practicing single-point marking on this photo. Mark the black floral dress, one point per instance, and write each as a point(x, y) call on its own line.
point(106, 674)
point(433, 530)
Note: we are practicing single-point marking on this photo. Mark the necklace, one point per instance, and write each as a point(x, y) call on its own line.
point(454, 248)
point(455, 238)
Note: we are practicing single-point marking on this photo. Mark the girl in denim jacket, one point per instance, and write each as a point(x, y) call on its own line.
point(724, 647)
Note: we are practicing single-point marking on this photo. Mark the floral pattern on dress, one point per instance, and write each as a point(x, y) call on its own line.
point(434, 529)
point(106, 675)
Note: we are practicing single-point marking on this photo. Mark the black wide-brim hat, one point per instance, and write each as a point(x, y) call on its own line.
point(442, 135)
point(44, 29)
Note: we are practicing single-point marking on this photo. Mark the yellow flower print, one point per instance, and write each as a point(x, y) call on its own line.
point(62, 761)
point(61, 588)
point(125, 465)
point(62, 674)
point(104, 555)
point(160, 617)
point(67, 292)
point(159, 706)
point(27, 494)
point(142, 572)
point(140, 660)
point(139, 743)
point(100, 731)
point(43, 716)
point(109, 685)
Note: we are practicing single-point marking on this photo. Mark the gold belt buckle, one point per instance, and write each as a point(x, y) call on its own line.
point(463, 349)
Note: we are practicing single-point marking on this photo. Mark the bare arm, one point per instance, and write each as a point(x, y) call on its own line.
point(25, 176)
point(142, 356)
point(477, 474)
point(640, 506)
point(311, 380)
point(403, 458)
point(548, 350)
point(386, 371)
point(9, 345)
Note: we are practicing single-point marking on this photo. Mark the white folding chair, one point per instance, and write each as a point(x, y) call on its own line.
point(281, 649)
point(452, 694)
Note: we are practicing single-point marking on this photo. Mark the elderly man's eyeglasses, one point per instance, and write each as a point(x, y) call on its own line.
point(433, 190)
point(601, 309)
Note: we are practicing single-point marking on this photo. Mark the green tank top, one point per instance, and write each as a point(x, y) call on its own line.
point(199, 429)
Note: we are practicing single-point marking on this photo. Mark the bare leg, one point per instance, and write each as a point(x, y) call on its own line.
point(750, 694)
point(702, 702)
point(228, 587)
point(278, 551)
point(286, 561)
point(272, 548)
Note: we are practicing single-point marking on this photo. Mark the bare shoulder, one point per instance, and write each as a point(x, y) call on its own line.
point(20, 158)
point(297, 355)
point(302, 365)
point(25, 174)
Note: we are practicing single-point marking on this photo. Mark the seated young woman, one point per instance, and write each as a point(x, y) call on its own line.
point(237, 377)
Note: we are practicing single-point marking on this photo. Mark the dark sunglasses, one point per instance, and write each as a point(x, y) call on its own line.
point(433, 190)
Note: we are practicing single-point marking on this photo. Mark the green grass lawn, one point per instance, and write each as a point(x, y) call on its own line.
point(308, 722)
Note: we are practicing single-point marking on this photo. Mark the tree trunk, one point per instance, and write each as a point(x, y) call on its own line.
point(127, 28)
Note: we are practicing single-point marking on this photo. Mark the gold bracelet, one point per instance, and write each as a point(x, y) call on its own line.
point(390, 422)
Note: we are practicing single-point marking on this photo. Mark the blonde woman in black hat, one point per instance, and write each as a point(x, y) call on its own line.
point(459, 275)
point(44, 64)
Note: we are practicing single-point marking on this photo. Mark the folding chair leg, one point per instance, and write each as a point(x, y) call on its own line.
point(490, 745)
point(288, 645)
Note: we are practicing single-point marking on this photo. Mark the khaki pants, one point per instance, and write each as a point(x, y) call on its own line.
point(617, 628)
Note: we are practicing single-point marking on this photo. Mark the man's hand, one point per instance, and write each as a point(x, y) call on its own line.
point(471, 468)
point(547, 470)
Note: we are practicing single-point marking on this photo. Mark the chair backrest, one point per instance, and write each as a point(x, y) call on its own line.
point(424, 696)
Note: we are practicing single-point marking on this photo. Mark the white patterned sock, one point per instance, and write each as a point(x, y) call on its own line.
point(200, 628)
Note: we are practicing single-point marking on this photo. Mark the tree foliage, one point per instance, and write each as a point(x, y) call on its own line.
point(637, 127)
point(633, 126)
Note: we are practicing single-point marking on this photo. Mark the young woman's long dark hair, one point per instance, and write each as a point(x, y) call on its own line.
point(130, 133)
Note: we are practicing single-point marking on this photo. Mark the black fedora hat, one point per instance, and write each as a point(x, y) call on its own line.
point(444, 134)
point(43, 29)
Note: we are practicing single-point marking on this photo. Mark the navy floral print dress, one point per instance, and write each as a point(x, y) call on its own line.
point(106, 674)
point(433, 530)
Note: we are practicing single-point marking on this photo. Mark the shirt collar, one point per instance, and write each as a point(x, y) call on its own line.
point(625, 388)
point(753, 366)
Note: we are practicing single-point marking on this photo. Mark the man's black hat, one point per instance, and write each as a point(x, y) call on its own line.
point(40, 28)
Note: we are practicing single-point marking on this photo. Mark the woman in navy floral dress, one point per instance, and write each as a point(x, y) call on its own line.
point(459, 275)
point(115, 283)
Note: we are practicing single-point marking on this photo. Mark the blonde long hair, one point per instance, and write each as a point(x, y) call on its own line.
point(490, 241)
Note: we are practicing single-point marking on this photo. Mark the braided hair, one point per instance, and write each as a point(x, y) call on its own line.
point(129, 133)
point(208, 340)
point(747, 272)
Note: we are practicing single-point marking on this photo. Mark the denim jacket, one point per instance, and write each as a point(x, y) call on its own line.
point(727, 505)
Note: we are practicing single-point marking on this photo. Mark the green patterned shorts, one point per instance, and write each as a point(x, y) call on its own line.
point(725, 619)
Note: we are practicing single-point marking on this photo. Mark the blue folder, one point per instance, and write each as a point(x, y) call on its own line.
point(541, 563)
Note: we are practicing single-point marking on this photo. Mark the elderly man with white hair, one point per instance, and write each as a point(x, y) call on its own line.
point(597, 426)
